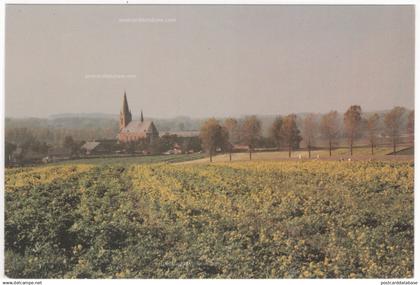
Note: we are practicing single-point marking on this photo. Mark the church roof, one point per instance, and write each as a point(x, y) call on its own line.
point(137, 127)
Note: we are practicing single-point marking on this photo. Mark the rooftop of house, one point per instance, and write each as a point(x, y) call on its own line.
point(90, 145)
point(183, 133)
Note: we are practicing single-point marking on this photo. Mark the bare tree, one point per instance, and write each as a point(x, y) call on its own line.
point(251, 133)
point(393, 123)
point(309, 130)
point(276, 131)
point(212, 136)
point(232, 127)
point(372, 126)
point(352, 123)
point(330, 128)
point(291, 133)
point(410, 126)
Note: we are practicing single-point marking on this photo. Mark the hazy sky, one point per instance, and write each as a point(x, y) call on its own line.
point(207, 60)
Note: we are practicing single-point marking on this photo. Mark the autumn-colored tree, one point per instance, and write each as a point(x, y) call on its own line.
point(276, 132)
point(309, 131)
point(352, 123)
point(393, 122)
point(251, 133)
point(291, 133)
point(330, 128)
point(372, 126)
point(225, 144)
point(232, 127)
point(410, 126)
point(212, 136)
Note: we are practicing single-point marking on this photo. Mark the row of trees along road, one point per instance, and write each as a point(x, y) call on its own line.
point(284, 131)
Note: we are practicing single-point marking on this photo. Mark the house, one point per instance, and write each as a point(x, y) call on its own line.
point(176, 149)
point(100, 147)
point(89, 147)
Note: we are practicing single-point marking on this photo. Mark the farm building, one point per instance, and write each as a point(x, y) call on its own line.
point(100, 147)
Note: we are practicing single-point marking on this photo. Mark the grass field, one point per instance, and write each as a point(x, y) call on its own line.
point(172, 158)
point(360, 153)
point(279, 219)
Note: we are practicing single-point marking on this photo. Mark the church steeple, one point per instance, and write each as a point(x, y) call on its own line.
point(125, 113)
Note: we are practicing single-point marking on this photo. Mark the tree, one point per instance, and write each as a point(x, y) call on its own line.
point(212, 136)
point(9, 148)
point(352, 123)
point(309, 131)
point(156, 146)
point(181, 126)
point(69, 144)
point(21, 136)
point(195, 144)
point(291, 133)
point(190, 144)
point(329, 127)
point(225, 144)
point(232, 127)
point(410, 126)
point(393, 122)
point(250, 133)
point(166, 142)
point(276, 131)
point(372, 126)
point(131, 146)
point(39, 147)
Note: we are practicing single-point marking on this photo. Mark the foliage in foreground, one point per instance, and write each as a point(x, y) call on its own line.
point(240, 220)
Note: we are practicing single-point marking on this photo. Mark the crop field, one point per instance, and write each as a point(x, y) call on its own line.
point(279, 219)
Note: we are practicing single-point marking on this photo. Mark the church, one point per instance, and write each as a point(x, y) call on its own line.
point(135, 130)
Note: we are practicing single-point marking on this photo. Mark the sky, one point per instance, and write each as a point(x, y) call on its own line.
point(207, 60)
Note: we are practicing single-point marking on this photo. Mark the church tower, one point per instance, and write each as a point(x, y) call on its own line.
point(125, 113)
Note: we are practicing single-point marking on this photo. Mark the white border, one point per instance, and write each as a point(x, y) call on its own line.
point(183, 281)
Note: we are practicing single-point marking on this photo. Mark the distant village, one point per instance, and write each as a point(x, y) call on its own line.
point(141, 137)
point(135, 137)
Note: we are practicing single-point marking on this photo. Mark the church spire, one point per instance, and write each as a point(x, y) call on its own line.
point(141, 116)
point(125, 104)
point(125, 114)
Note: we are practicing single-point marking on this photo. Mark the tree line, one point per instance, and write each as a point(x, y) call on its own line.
point(289, 132)
point(285, 133)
